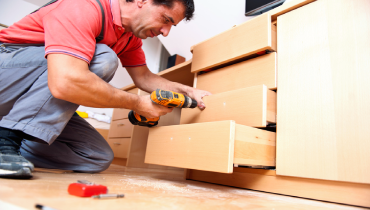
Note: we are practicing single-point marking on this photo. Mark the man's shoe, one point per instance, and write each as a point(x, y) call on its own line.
point(12, 163)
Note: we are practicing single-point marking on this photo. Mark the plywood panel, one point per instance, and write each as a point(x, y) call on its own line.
point(120, 128)
point(205, 146)
point(256, 71)
point(137, 149)
point(172, 118)
point(333, 191)
point(245, 39)
point(119, 114)
point(323, 99)
point(254, 147)
point(133, 91)
point(287, 7)
point(246, 106)
point(180, 73)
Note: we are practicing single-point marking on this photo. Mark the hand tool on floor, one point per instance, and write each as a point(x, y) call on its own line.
point(165, 98)
point(84, 188)
point(108, 196)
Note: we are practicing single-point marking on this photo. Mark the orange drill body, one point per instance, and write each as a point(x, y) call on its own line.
point(168, 98)
point(164, 98)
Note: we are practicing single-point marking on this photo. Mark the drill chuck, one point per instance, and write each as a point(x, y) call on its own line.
point(189, 103)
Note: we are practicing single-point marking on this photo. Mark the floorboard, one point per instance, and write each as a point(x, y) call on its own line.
point(143, 189)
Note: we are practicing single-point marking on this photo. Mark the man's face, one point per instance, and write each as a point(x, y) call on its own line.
point(154, 20)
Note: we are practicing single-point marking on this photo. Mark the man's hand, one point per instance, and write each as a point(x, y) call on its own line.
point(148, 109)
point(149, 82)
point(198, 95)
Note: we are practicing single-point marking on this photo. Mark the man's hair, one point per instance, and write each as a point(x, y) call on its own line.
point(188, 4)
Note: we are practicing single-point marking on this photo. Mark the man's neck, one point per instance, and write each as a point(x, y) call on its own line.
point(127, 10)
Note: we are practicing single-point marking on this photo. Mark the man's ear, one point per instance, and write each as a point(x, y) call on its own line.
point(141, 3)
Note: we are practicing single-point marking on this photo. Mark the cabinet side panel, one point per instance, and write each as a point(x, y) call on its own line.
point(323, 95)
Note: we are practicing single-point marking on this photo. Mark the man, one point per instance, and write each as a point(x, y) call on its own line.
point(42, 86)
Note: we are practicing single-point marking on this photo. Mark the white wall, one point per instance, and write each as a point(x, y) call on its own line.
point(211, 17)
point(14, 10)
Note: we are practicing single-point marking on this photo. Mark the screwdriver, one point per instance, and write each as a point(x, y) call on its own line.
point(108, 196)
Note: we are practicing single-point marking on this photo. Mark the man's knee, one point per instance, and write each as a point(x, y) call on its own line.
point(104, 63)
point(104, 162)
point(107, 160)
point(98, 165)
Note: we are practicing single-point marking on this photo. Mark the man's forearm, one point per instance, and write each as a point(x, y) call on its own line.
point(70, 79)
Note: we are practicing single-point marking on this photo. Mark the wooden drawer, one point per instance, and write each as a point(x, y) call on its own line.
point(120, 146)
point(249, 38)
point(252, 106)
point(256, 71)
point(212, 146)
point(120, 128)
point(119, 113)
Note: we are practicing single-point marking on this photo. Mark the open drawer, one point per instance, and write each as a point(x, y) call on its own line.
point(253, 106)
point(211, 146)
point(247, 39)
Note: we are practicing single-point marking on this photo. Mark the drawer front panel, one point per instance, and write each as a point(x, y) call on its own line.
point(246, 39)
point(211, 146)
point(253, 106)
point(120, 128)
point(119, 114)
point(256, 71)
point(120, 146)
point(203, 146)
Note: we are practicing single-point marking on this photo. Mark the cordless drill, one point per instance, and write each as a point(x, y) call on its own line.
point(165, 98)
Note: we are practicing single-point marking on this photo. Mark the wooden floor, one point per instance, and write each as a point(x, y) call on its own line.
point(143, 189)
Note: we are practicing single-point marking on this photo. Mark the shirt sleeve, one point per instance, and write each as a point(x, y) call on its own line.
point(133, 55)
point(71, 29)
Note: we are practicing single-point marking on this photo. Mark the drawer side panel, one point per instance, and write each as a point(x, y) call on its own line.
point(254, 147)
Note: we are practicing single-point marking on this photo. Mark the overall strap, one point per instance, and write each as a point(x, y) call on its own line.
point(101, 35)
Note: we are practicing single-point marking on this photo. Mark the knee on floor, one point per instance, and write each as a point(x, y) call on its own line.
point(99, 165)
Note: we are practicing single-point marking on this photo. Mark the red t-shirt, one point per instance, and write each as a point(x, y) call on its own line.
point(71, 26)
